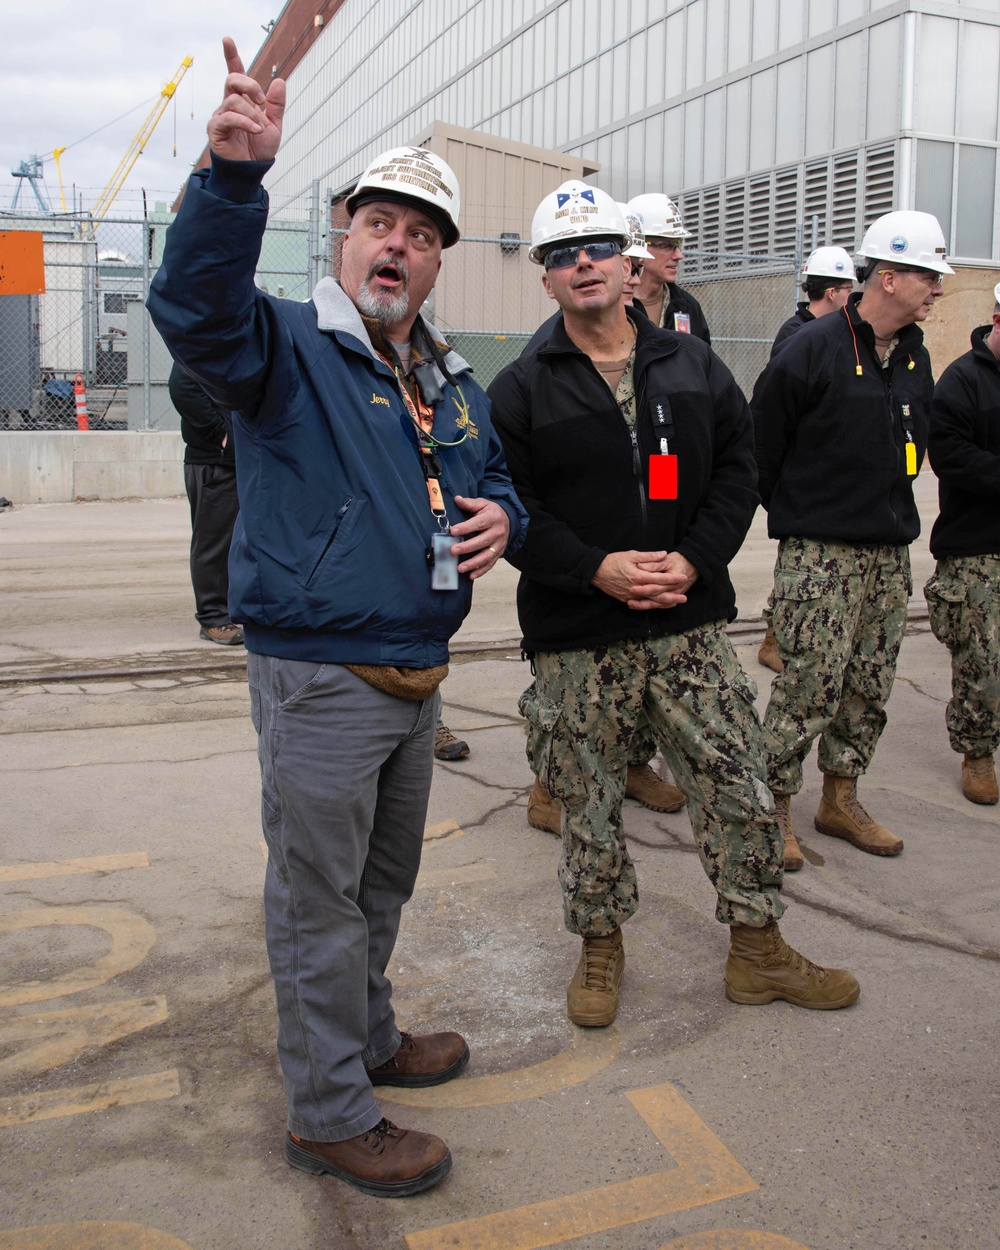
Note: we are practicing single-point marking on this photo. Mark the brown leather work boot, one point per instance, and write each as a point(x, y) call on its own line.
point(762, 967)
point(544, 812)
point(979, 779)
point(769, 655)
point(647, 787)
point(592, 997)
point(783, 815)
point(228, 635)
point(428, 1060)
point(841, 815)
point(387, 1162)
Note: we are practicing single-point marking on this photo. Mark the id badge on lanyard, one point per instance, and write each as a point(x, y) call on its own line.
point(682, 323)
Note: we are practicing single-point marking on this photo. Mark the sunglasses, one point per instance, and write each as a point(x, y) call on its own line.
point(928, 275)
point(565, 257)
point(637, 269)
point(664, 245)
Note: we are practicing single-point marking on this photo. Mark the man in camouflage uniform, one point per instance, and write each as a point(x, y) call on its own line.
point(964, 594)
point(631, 449)
point(841, 414)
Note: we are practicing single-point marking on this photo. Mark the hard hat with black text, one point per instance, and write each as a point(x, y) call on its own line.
point(660, 216)
point(412, 176)
point(639, 250)
point(576, 211)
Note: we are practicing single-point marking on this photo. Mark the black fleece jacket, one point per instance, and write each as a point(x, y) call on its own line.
point(583, 477)
point(800, 317)
point(204, 424)
point(682, 301)
point(830, 442)
point(964, 448)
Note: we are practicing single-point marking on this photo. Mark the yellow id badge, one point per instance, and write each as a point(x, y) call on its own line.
point(911, 459)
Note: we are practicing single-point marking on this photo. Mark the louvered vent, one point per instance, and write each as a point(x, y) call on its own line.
point(786, 203)
point(844, 232)
point(880, 180)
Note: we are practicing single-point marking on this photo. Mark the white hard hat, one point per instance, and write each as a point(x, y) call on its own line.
point(638, 248)
point(659, 215)
point(574, 211)
point(907, 236)
point(412, 175)
point(829, 262)
point(996, 292)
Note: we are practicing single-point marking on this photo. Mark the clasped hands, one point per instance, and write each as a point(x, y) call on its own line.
point(646, 579)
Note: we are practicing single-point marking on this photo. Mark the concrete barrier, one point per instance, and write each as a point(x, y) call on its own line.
point(64, 465)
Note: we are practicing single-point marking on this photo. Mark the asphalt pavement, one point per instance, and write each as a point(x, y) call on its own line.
point(140, 1101)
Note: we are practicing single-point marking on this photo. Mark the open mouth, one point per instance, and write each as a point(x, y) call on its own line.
point(388, 274)
point(588, 284)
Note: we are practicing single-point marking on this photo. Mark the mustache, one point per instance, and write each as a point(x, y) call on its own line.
point(389, 262)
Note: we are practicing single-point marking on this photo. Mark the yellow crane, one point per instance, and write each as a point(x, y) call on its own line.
point(106, 198)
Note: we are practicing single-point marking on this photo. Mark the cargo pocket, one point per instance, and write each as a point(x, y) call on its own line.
point(946, 597)
point(542, 716)
point(802, 601)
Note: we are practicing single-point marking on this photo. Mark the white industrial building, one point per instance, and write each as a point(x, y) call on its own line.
point(754, 114)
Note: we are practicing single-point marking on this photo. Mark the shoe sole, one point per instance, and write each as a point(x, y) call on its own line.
point(793, 865)
point(306, 1161)
point(592, 1022)
point(981, 802)
point(652, 806)
point(745, 998)
point(450, 757)
point(537, 824)
point(420, 1080)
point(854, 841)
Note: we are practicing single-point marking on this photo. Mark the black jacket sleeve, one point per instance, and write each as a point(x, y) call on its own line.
point(955, 442)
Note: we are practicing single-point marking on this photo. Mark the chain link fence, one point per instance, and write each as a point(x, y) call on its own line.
point(90, 326)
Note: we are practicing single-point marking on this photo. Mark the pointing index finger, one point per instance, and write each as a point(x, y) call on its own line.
point(234, 62)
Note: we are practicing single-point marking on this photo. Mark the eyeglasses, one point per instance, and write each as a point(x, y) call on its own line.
point(928, 275)
point(664, 245)
point(637, 269)
point(566, 257)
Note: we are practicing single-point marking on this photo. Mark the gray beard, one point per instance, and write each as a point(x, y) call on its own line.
point(384, 306)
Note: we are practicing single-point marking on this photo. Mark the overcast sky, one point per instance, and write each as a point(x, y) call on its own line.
point(72, 68)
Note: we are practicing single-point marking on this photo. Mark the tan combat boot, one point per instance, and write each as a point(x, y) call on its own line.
point(768, 655)
point(643, 784)
point(841, 815)
point(592, 997)
point(783, 815)
point(979, 779)
point(544, 812)
point(762, 967)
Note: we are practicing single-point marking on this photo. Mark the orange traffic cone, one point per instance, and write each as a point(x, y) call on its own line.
point(80, 398)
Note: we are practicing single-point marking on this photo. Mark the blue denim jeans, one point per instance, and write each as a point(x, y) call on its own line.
point(345, 777)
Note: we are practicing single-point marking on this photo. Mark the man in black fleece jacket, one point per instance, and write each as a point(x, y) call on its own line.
point(964, 593)
point(631, 448)
point(210, 482)
point(841, 418)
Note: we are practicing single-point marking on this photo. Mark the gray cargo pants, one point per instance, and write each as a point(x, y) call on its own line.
point(345, 777)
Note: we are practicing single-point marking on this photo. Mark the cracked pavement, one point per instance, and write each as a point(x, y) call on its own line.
point(870, 1128)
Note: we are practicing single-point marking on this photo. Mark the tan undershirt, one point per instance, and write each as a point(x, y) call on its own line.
point(611, 371)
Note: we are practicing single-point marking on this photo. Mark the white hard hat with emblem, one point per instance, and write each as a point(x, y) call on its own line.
point(575, 211)
point(660, 216)
point(412, 175)
point(909, 237)
point(638, 249)
point(829, 262)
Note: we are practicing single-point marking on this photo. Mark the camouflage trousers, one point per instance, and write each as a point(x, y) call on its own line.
point(582, 711)
point(963, 598)
point(839, 616)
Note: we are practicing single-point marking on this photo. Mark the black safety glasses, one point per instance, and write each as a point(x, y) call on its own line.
point(565, 257)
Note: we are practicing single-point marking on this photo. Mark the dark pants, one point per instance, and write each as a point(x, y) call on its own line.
point(211, 491)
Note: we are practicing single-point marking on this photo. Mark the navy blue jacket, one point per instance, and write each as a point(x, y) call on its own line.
point(328, 561)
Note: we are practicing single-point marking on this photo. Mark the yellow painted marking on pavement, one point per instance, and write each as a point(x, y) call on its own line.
point(705, 1172)
point(90, 1235)
point(263, 849)
point(442, 877)
point(591, 1052)
point(729, 1239)
point(72, 867)
point(446, 831)
point(132, 938)
point(60, 1036)
point(55, 1103)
